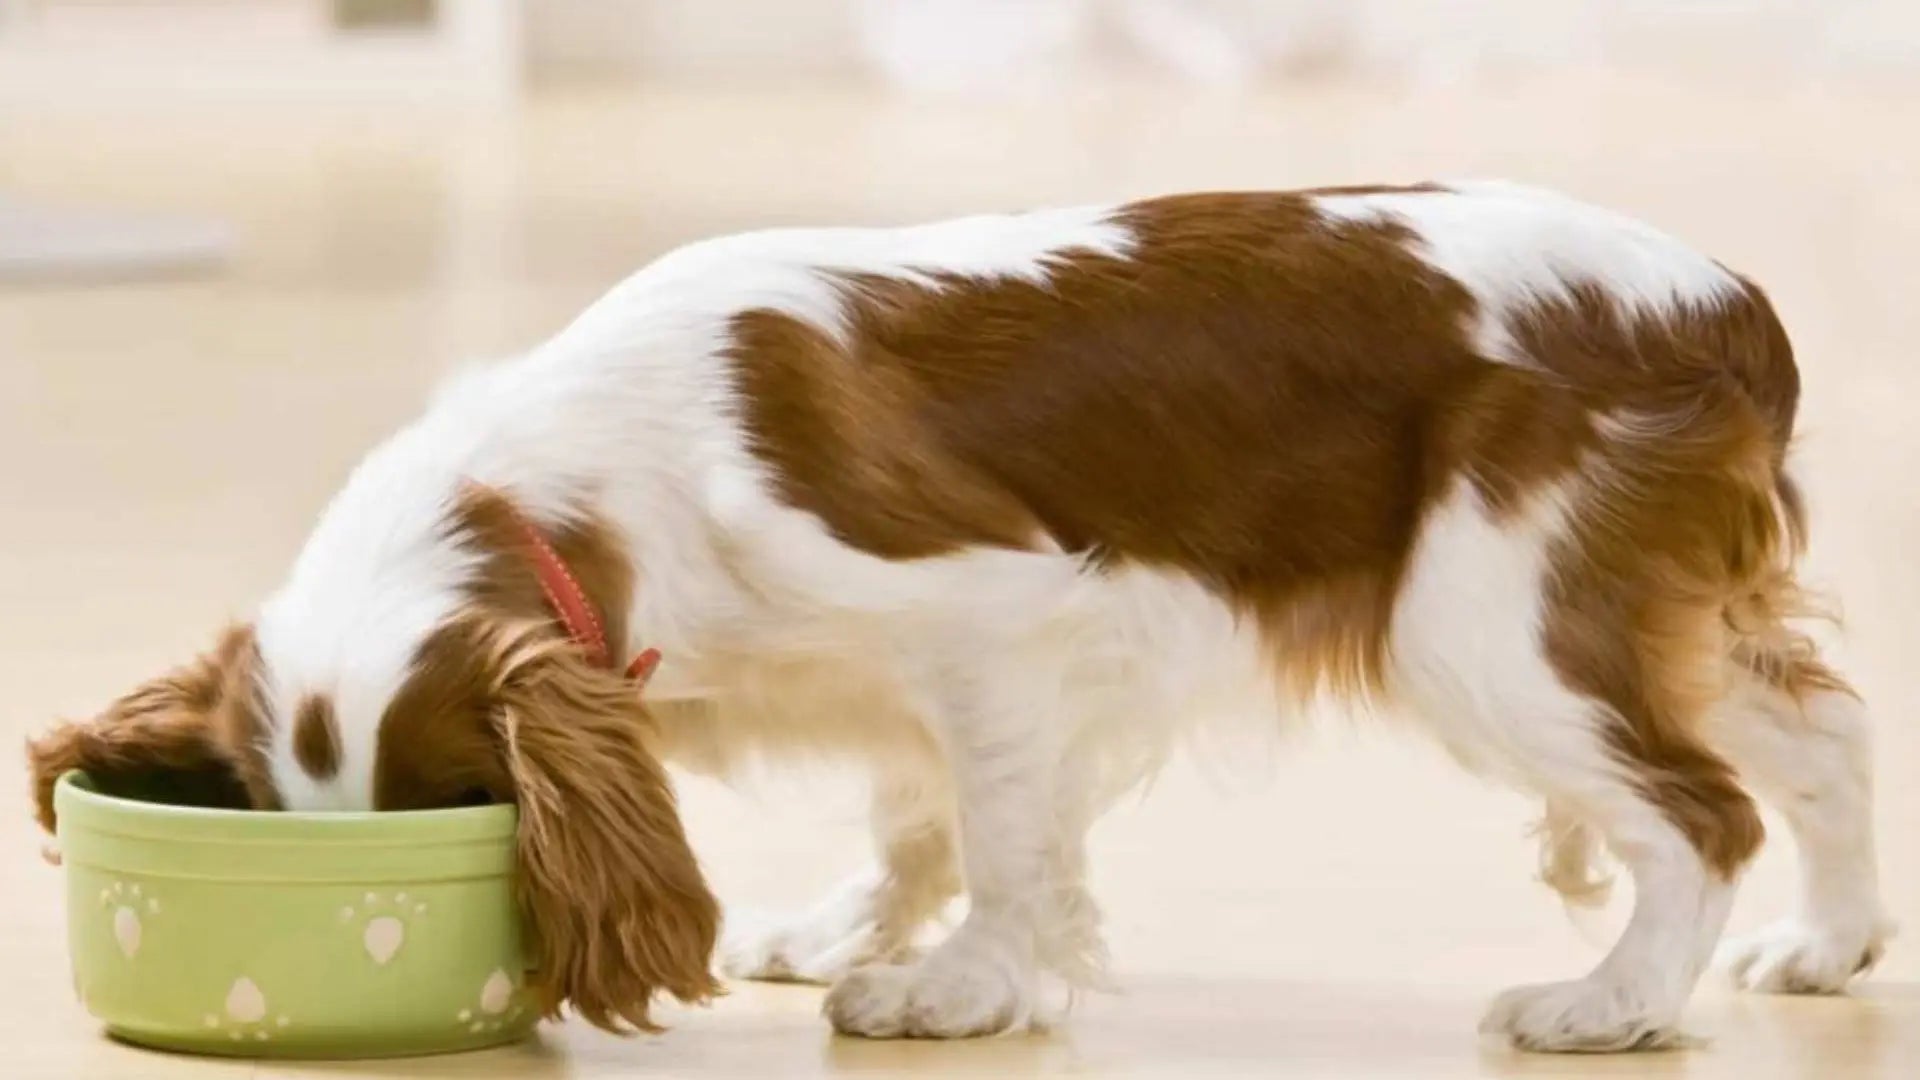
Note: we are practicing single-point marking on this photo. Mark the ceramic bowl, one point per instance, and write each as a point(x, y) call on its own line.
point(292, 935)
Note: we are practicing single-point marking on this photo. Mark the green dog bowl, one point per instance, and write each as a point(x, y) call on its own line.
point(292, 935)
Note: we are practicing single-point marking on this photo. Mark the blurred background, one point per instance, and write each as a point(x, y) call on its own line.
point(240, 239)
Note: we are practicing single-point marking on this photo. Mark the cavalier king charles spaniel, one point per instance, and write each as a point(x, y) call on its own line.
point(1001, 507)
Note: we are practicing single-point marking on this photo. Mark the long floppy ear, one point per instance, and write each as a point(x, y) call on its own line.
point(180, 738)
point(611, 896)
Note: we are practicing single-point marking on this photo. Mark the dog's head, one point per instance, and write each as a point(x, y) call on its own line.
point(440, 683)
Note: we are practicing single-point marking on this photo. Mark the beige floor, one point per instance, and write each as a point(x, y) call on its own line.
point(1341, 909)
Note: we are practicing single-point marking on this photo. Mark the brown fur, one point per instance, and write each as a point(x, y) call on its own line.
point(1682, 533)
point(436, 743)
point(612, 896)
point(1270, 402)
point(437, 746)
point(316, 738)
point(501, 706)
point(1216, 403)
point(592, 549)
point(190, 735)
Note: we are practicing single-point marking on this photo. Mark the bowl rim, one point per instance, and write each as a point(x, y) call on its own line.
point(83, 806)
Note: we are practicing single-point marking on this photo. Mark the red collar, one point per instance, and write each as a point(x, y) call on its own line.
point(571, 606)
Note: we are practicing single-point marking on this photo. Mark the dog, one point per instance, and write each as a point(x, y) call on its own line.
point(1002, 506)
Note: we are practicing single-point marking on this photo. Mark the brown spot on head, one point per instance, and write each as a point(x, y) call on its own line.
point(192, 736)
point(436, 743)
point(316, 737)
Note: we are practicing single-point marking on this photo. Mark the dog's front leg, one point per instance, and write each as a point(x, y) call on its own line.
point(993, 723)
point(875, 915)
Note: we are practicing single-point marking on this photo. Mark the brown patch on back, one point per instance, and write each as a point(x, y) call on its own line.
point(848, 442)
point(1512, 432)
point(316, 738)
point(1219, 402)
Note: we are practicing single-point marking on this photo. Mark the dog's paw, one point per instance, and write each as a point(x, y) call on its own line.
point(1793, 956)
point(951, 994)
point(814, 947)
point(1588, 1015)
point(871, 1001)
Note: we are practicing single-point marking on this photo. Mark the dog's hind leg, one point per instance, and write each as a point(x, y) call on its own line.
point(1799, 736)
point(1533, 675)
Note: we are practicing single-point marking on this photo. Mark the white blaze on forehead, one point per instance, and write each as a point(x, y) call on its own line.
point(1510, 245)
point(374, 580)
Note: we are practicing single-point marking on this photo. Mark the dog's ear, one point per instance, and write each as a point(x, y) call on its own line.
point(613, 902)
point(185, 737)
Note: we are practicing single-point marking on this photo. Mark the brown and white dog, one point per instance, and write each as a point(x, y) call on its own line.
point(999, 507)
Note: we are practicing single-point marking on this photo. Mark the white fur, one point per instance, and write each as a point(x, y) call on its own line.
point(1811, 760)
point(792, 270)
point(877, 914)
point(1003, 698)
point(1465, 635)
point(1468, 661)
point(1509, 245)
point(372, 582)
point(826, 941)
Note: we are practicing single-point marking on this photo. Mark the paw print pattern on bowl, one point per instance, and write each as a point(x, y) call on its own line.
point(385, 929)
point(358, 935)
point(497, 1006)
point(125, 903)
point(243, 1015)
